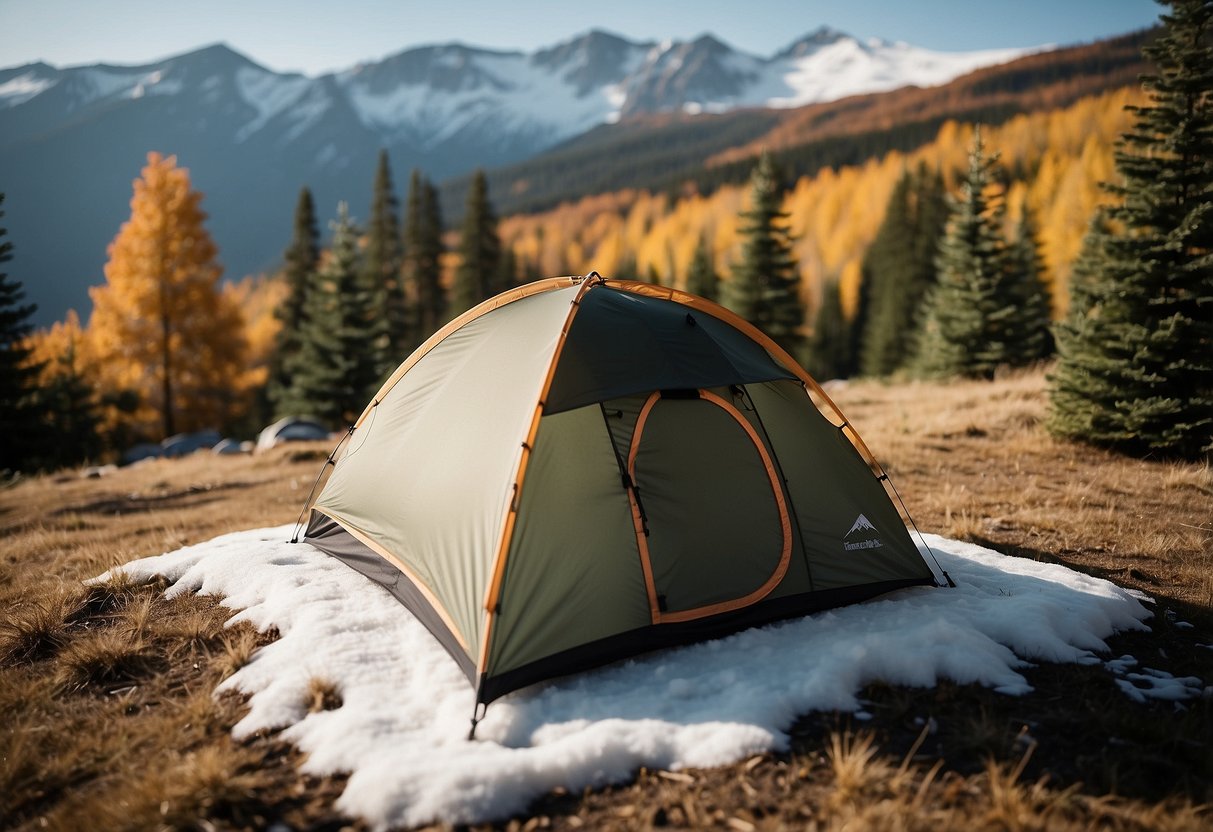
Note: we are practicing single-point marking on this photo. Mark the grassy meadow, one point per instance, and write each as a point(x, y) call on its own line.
point(107, 718)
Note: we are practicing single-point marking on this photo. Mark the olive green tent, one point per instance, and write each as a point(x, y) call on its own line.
point(583, 469)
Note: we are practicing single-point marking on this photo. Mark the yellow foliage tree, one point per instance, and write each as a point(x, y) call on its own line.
point(1062, 156)
point(66, 377)
point(161, 327)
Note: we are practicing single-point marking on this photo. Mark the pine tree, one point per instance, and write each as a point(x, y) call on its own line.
point(829, 349)
point(423, 258)
point(1035, 304)
point(160, 325)
point(20, 415)
point(702, 277)
point(899, 269)
point(507, 269)
point(301, 257)
point(1136, 350)
point(970, 323)
point(382, 267)
point(765, 286)
point(334, 376)
point(479, 274)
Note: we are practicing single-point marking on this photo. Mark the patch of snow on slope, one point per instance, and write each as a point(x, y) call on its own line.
point(268, 92)
point(522, 98)
point(401, 731)
point(18, 90)
point(95, 83)
point(848, 68)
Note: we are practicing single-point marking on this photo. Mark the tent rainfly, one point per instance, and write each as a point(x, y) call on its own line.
point(582, 469)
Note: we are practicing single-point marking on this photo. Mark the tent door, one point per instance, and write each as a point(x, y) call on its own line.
point(712, 524)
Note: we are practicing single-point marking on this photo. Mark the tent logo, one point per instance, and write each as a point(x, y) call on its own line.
point(861, 525)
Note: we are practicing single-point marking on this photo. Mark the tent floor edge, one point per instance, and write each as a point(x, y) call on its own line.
point(660, 636)
point(330, 537)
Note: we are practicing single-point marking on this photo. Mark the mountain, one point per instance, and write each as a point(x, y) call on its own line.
point(72, 139)
point(675, 152)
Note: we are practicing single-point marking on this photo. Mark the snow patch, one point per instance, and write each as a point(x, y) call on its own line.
point(513, 95)
point(847, 67)
point(18, 90)
point(268, 93)
point(401, 730)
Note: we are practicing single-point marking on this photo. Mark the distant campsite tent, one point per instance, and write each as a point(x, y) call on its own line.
point(579, 470)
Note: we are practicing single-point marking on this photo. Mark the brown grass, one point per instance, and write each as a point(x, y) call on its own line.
point(108, 718)
point(323, 695)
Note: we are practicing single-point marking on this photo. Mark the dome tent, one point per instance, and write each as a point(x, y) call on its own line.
point(582, 469)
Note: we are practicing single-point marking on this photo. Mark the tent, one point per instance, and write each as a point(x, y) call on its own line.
point(582, 469)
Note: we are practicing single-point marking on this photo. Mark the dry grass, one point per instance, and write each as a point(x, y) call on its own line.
point(322, 695)
point(108, 721)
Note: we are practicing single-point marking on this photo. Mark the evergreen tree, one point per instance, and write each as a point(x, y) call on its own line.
point(971, 320)
point(765, 286)
point(301, 257)
point(20, 415)
point(1035, 304)
point(829, 349)
point(161, 325)
point(423, 258)
point(479, 274)
point(899, 269)
point(1136, 350)
point(702, 277)
point(334, 376)
point(382, 267)
point(508, 269)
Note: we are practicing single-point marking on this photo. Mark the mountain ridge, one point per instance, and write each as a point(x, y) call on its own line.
point(73, 138)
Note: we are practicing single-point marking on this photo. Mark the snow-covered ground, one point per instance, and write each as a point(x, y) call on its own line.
point(401, 730)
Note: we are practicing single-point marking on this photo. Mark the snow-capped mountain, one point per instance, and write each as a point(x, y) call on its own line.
point(72, 139)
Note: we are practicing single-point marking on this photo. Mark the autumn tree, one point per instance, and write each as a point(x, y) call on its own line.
point(765, 285)
point(479, 274)
point(20, 414)
point(334, 374)
point(161, 327)
point(702, 277)
point(423, 258)
point(299, 273)
point(1136, 351)
point(69, 402)
point(382, 264)
point(898, 269)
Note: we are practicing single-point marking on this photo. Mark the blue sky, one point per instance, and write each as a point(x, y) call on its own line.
point(315, 36)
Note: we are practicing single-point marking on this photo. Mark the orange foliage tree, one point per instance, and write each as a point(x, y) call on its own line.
point(161, 327)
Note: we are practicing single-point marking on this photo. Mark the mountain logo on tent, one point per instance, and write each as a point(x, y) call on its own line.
point(862, 524)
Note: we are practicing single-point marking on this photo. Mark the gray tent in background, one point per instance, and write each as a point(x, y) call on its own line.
point(579, 470)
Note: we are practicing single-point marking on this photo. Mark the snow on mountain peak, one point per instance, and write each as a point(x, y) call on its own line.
point(429, 94)
point(21, 88)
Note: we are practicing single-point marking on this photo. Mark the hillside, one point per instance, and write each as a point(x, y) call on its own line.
point(668, 152)
point(1056, 159)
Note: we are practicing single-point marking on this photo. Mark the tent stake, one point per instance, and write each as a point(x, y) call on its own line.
point(477, 715)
